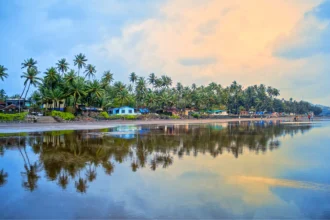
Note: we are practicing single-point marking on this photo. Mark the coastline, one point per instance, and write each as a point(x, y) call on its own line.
point(41, 127)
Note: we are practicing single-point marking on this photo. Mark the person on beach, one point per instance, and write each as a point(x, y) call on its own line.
point(309, 117)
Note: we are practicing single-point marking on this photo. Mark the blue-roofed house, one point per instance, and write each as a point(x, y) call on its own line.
point(124, 110)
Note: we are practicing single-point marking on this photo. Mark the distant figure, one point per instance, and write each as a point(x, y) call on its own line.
point(312, 116)
point(309, 117)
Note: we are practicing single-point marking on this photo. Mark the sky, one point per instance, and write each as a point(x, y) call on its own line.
point(282, 43)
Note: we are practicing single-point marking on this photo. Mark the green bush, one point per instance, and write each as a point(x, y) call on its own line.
point(104, 115)
point(13, 117)
point(196, 115)
point(130, 117)
point(64, 115)
point(175, 117)
point(123, 117)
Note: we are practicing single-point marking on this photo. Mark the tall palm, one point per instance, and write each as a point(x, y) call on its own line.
point(133, 77)
point(3, 73)
point(62, 66)
point(70, 76)
point(51, 76)
point(95, 88)
point(107, 78)
point(29, 63)
point(152, 79)
point(80, 61)
point(31, 78)
point(123, 97)
point(77, 90)
point(90, 71)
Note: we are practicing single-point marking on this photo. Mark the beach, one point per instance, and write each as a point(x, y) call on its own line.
point(79, 125)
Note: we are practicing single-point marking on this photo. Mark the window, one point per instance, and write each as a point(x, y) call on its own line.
point(117, 111)
point(129, 111)
point(123, 111)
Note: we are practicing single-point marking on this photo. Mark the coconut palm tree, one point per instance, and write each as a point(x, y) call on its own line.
point(133, 77)
point(51, 77)
point(62, 66)
point(77, 90)
point(29, 63)
point(95, 88)
point(80, 61)
point(90, 71)
point(70, 77)
point(152, 79)
point(3, 73)
point(31, 78)
point(107, 78)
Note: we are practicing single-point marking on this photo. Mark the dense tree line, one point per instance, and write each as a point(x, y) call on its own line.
point(154, 92)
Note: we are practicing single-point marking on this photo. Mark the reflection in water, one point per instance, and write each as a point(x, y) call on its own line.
point(280, 182)
point(73, 156)
point(3, 177)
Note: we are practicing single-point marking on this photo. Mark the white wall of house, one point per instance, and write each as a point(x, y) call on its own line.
point(124, 110)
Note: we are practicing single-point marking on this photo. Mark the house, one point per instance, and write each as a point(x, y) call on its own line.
point(217, 112)
point(244, 113)
point(18, 102)
point(9, 109)
point(124, 110)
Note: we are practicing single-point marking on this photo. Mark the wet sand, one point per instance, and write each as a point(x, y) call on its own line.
point(36, 127)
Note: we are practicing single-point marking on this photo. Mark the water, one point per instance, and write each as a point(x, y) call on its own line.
point(246, 170)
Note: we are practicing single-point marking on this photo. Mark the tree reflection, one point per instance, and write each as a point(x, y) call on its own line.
point(3, 177)
point(67, 156)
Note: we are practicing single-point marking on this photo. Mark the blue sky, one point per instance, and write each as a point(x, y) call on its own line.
point(281, 43)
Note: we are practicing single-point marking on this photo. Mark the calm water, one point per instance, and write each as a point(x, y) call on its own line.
point(246, 170)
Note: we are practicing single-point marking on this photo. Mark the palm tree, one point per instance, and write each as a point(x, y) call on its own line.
point(77, 90)
point(80, 61)
point(29, 63)
point(90, 71)
point(95, 88)
point(51, 77)
point(70, 76)
point(123, 97)
point(133, 77)
point(107, 78)
point(152, 79)
point(31, 79)
point(3, 73)
point(62, 66)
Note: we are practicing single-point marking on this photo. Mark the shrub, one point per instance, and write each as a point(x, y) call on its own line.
point(130, 117)
point(175, 117)
point(13, 117)
point(63, 115)
point(196, 115)
point(104, 115)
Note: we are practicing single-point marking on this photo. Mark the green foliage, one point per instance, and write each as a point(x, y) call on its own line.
point(196, 115)
point(64, 115)
point(123, 117)
point(130, 117)
point(104, 115)
point(12, 117)
point(175, 117)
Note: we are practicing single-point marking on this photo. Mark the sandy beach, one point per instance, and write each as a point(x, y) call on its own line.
point(36, 127)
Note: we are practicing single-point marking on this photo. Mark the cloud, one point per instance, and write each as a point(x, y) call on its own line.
point(197, 61)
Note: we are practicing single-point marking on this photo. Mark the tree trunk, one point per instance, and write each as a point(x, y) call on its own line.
point(23, 92)
point(27, 91)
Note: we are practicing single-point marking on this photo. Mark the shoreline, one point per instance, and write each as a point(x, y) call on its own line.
point(42, 127)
